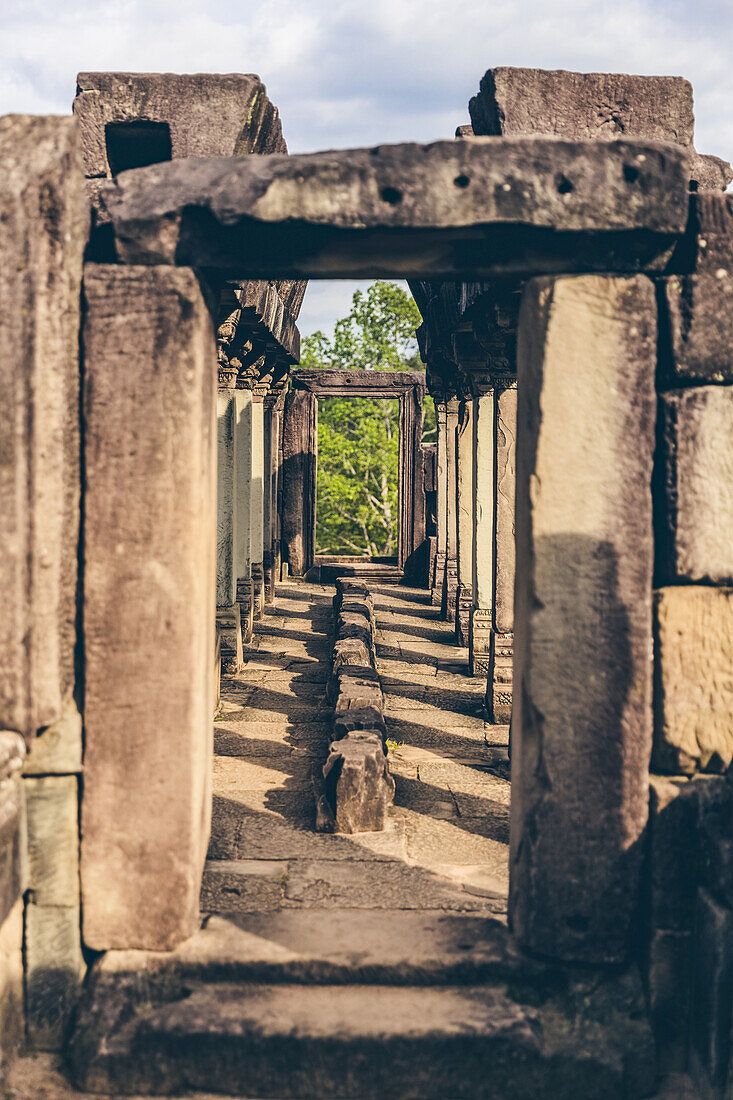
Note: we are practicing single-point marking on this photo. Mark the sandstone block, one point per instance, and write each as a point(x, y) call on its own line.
point(52, 811)
point(43, 228)
point(693, 688)
point(130, 119)
point(710, 173)
point(358, 784)
point(503, 194)
point(711, 1010)
point(54, 971)
point(583, 106)
point(696, 506)
point(150, 558)
point(581, 724)
point(699, 314)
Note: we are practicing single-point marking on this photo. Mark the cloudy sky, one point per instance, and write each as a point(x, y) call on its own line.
point(353, 72)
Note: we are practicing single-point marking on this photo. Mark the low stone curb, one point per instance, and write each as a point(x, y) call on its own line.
point(357, 788)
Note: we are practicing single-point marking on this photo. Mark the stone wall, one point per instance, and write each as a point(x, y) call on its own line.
point(691, 914)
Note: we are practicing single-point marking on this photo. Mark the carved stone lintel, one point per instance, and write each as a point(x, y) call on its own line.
point(500, 686)
point(480, 641)
point(464, 603)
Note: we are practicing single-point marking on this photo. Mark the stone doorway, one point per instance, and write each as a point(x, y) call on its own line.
point(300, 442)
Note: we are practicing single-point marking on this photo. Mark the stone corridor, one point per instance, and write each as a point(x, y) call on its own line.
point(446, 848)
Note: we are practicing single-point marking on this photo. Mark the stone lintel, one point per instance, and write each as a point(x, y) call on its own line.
point(472, 209)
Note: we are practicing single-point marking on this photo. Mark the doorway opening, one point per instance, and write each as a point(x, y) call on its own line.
point(357, 509)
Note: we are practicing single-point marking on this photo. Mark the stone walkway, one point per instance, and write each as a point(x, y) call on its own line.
point(446, 848)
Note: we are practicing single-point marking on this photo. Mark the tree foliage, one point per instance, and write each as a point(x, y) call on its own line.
point(358, 438)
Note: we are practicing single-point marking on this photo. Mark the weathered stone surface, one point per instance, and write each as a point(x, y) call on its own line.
point(54, 971)
point(673, 853)
point(13, 847)
point(583, 613)
point(57, 750)
point(699, 327)
point(669, 979)
point(710, 173)
point(587, 1038)
point(359, 717)
point(696, 506)
point(477, 208)
point(12, 1015)
point(583, 106)
point(206, 115)
point(150, 549)
point(52, 814)
point(229, 625)
point(43, 228)
point(711, 1011)
point(228, 466)
point(358, 784)
point(693, 690)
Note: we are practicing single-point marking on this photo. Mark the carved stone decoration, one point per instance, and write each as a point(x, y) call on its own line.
point(464, 602)
point(480, 641)
point(501, 678)
point(258, 589)
point(246, 608)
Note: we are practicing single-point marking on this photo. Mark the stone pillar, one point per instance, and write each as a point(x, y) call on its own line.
point(499, 686)
point(441, 501)
point(244, 507)
point(582, 719)
point(483, 524)
point(465, 508)
point(277, 458)
point(257, 498)
point(43, 230)
point(228, 618)
point(149, 584)
point(450, 572)
point(270, 496)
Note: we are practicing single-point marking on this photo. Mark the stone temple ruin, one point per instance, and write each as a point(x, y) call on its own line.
point(283, 907)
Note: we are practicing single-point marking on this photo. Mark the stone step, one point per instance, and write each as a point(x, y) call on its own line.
point(340, 1041)
point(328, 947)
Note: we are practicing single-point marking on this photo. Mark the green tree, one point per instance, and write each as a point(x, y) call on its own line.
point(358, 438)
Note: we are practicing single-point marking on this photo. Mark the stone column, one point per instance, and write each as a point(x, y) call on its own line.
point(257, 498)
point(441, 501)
point(483, 523)
point(499, 687)
point(270, 496)
point(244, 507)
point(227, 609)
point(150, 549)
point(582, 718)
point(276, 457)
point(465, 507)
point(450, 573)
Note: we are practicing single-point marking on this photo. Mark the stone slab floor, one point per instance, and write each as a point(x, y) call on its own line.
point(446, 848)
